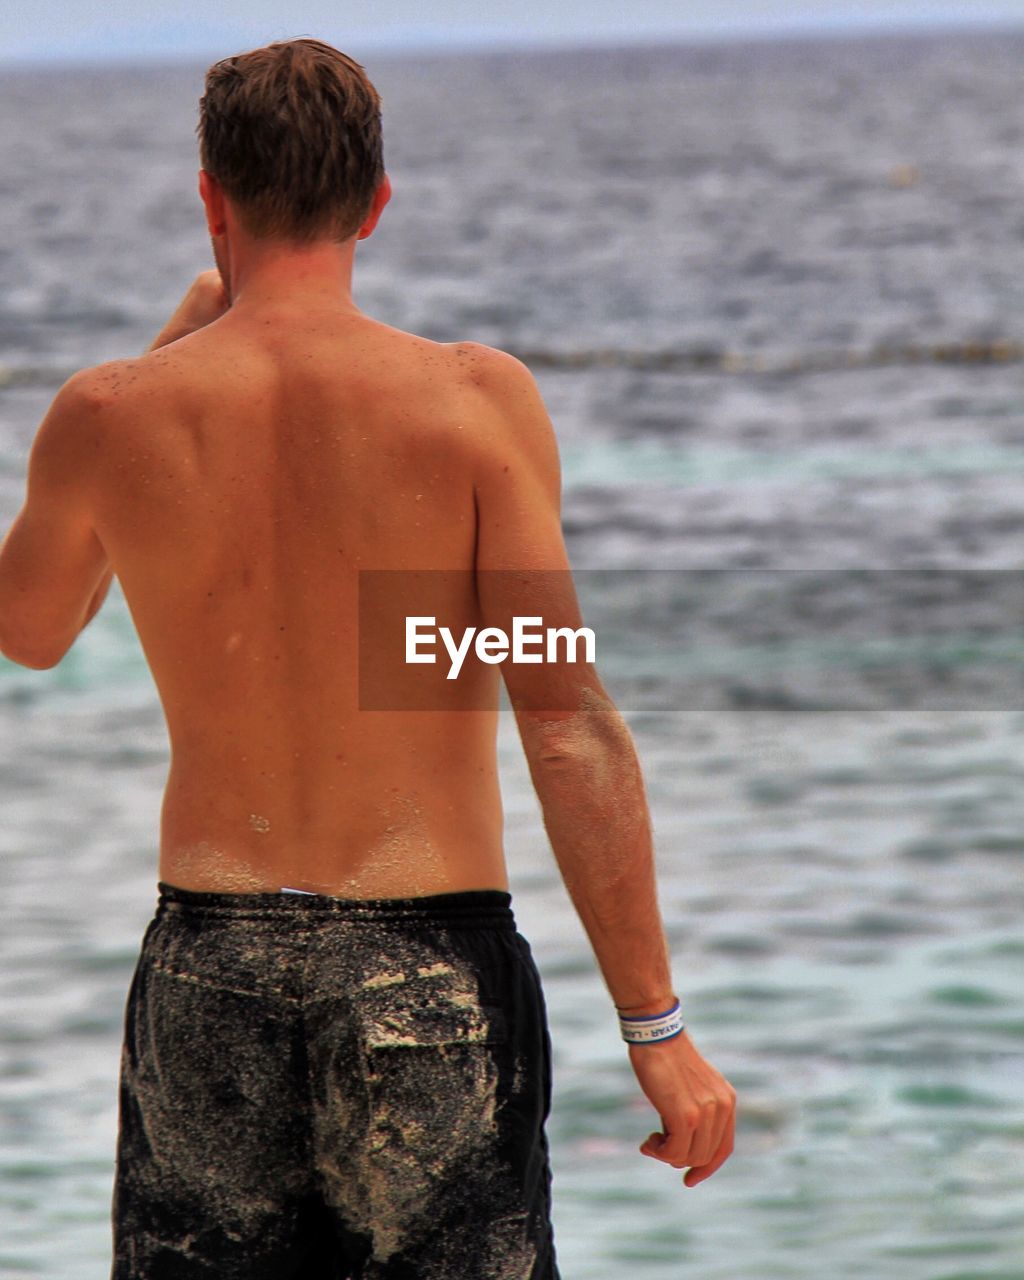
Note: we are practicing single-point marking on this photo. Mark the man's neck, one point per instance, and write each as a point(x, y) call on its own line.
point(278, 275)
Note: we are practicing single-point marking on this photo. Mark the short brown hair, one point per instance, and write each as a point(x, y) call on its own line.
point(292, 133)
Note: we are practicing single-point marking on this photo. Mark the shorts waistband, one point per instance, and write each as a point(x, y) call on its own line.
point(469, 907)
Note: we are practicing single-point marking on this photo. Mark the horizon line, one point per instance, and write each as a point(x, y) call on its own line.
point(454, 44)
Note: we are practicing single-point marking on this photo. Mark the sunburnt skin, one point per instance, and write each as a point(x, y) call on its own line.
point(252, 641)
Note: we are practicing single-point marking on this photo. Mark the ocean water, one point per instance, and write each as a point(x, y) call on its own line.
point(800, 528)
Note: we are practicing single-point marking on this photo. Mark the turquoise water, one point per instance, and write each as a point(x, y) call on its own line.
point(840, 857)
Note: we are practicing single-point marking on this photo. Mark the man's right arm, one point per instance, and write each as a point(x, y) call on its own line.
point(205, 300)
point(582, 759)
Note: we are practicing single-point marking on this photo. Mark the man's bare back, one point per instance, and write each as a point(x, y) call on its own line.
point(250, 470)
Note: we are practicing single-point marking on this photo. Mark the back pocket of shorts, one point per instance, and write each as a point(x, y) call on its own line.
point(433, 1009)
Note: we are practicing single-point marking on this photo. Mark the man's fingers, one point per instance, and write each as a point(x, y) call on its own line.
point(652, 1144)
point(717, 1124)
point(699, 1172)
point(701, 1140)
point(666, 1147)
point(672, 1147)
point(709, 1125)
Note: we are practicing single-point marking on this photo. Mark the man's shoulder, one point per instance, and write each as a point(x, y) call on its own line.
point(490, 367)
point(508, 410)
point(124, 383)
point(503, 391)
point(477, 361)
point(110, 400)
point(100, 389)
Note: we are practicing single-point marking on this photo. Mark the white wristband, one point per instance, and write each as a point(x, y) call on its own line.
point(647, 1027)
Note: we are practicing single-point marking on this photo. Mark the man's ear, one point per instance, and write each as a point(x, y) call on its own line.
point(213, 200)
point(380, 198)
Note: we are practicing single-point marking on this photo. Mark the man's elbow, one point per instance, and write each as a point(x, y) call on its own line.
point(35, 660)
point(560, 737)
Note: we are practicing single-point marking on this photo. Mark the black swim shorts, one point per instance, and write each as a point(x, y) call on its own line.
point(327, 1088)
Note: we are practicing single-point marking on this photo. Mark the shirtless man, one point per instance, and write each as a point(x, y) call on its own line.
point(336, 1056)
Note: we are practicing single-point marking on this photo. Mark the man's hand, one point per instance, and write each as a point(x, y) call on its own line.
point(697, 1106)
point(205, 301)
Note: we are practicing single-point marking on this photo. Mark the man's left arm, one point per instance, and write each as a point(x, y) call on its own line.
point(54, 571)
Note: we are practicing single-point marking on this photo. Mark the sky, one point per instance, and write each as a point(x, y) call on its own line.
point(61, 30)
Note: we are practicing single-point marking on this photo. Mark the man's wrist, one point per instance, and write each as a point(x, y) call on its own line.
point(649, 1028)
point(660, 1004)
